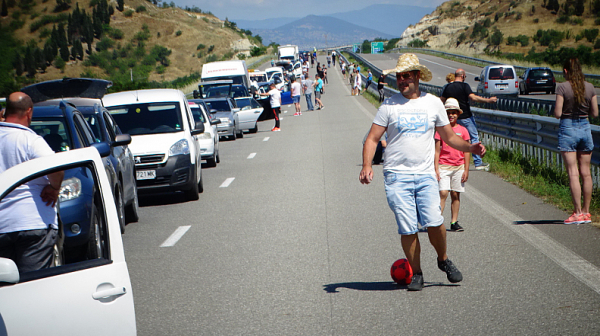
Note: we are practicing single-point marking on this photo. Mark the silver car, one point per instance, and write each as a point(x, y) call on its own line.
point(226, 110)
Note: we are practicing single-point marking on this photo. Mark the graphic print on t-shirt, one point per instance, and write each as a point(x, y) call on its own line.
point(412, 124)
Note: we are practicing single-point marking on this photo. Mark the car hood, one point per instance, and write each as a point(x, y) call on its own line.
point(67, 88)
point(224, 114)
point(154, 143)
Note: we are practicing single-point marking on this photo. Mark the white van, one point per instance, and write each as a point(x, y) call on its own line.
point(164, 139)
point(498, 80)
point(234, 70)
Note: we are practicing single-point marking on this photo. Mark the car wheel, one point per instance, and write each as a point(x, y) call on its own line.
point(240, 134)
point(96, 243)
point(192, 193)
point(212, 162)
point(255, 129)
point(218, 157)
point(132, 211)
point(201, 185)
point(120, 206)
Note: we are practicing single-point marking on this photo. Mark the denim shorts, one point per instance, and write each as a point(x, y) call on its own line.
point(296, 99)
point(413, 198)
point(575, 135)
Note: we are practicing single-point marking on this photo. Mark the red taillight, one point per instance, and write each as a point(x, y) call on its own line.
point(516, 84)
point(485, 85)
point(553, 80)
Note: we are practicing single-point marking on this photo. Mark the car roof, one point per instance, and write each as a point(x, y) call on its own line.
point(221, 81)
point(142, 96)
point(48, 111)
point(67, 88)
point(216, 98)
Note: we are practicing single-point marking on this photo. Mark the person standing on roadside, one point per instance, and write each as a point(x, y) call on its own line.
point(324, 73)
point(296, 92)
point(380, 83)
point(576, 100)
point(369, 80)
point(328, 61)
point(275, 100)
point(28, 221)
point(307, 88)
point(462, 92)
point(357, 82)
point(318, 85)
point(351, 73)
point(333, 54)
point(343, 66)
point(410, 118)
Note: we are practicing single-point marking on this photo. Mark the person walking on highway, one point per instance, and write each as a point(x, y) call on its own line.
point(462, 92)
point(296, 91)
point(275, 100)
point(410, 118)
point(333, 54)
point(380, 83)
point(28, 220)
point(357, 83)
point(307, 88)
point(324, 73)
point(451, 165)
point(343, 66)
point(318, 85)
point(576, 100)
point(369, 80)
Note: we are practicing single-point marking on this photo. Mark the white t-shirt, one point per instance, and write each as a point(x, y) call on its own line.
point(275, 98)
point(296, 89)
point(23, 208)
point(410, 125)
point(357, 81)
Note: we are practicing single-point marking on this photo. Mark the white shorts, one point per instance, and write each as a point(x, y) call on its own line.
point(451, 180)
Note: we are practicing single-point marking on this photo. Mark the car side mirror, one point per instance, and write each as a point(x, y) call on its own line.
point(477, 79)
point(215, 121)
point(122, 140)
point(103, 148)
point(199, 129)
point(196, 94)
point(235, 110)
point(9, 273)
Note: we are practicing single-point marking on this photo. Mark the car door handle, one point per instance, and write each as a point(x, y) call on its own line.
point(103, 294)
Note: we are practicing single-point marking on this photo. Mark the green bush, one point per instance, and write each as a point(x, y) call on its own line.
point(140, 9)
point(115, 33)
point(212, 58)
point(241, 56)
point(200, 46)
point(128, 13)
point(178, 33)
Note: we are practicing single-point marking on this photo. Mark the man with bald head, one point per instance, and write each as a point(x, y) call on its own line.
point(28, 221)
point(462, 92)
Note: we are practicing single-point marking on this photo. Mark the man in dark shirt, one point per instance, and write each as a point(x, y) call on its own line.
point(462, 92)
point(380, 83)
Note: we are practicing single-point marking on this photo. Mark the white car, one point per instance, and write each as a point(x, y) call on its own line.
point(209, 140)
point(249, 112)
point(164, 139)
point(94, 296)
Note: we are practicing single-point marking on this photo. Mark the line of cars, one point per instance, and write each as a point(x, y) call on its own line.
point(503, 80)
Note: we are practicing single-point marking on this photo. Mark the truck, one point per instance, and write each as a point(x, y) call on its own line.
point(234, 70)
point(288, 52)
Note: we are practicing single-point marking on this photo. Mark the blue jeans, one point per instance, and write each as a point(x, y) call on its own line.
point(309, 102)
point(469, 124)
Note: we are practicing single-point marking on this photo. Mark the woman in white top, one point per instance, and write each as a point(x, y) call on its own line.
point(357, 83)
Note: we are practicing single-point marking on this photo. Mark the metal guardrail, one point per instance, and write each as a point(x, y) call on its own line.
point(519, 69)
point(534, 136)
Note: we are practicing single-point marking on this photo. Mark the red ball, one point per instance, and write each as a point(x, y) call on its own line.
point(401, 272)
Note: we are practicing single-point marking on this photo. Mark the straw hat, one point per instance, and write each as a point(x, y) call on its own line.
point(452, 104)
point(410, 62)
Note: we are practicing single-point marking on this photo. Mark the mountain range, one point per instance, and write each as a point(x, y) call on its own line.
point(381, 20)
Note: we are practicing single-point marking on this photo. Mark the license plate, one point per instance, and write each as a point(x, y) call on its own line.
point(541, 82)
point(501, 86)
point(146, 174)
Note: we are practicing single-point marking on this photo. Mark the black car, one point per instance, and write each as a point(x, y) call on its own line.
point(537, 80)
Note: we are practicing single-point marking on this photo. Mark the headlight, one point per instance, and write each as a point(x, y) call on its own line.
point(69, 189)
point(181, 147)
point(205, 136)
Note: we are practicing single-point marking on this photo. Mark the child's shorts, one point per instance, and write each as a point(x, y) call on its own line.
point(451, 180)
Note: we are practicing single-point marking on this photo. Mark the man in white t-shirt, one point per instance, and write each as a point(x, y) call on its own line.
point(275, 100)
point(411, 118)
point(28, 222)
point(296, 88)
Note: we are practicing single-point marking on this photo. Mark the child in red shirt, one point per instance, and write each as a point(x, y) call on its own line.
point(451, 165)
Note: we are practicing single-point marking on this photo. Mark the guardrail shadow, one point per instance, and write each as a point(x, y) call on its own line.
point(536, 222)
point(378, 286)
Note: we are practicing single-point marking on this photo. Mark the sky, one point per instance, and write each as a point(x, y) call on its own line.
point(267, 9)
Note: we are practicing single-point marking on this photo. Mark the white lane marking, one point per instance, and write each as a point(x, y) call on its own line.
point(174, 238)
point(285, 111)
point(447, 66)
point(580, 268)
point(266, 139)
point(251, 156)
point(227, 182)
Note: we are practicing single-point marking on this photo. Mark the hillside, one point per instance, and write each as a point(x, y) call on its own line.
point(469, 25)
point(319, 31)
point(177, 30)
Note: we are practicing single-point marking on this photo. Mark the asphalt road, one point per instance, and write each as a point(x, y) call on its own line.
point(295, 245)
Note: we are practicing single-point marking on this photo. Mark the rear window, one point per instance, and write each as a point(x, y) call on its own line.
point(501, 74)
point(54, 131)
point(148, 118)
point(541, 73)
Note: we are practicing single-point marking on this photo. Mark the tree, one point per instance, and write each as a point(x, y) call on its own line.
point(29, 62)
point(18, 64)
point(121, 5)
point(4, 11)
point(496, 38)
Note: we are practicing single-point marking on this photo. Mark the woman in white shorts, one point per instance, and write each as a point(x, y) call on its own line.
point(451, 165)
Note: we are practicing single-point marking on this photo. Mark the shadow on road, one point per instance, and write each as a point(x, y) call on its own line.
point(545, 221)
point(161, 199)
point(376, 286)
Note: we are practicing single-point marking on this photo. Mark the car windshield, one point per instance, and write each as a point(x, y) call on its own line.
point(258, 78)
point(541, 73)
point(148, 118)
point(243, 102)
point(54, 131)
point(501, 74)
point(219, 105)
point(197, 113)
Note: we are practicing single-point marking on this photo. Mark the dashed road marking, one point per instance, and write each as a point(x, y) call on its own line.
point(251, 156)
point(227, 182)
point(174, 238)
point(266, 139)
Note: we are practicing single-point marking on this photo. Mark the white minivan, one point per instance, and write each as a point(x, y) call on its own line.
point(164, 139)
point(498, 80)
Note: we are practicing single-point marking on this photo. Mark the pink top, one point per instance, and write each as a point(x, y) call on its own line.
point(450, 156)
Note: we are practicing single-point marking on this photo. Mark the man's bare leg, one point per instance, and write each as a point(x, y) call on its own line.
point(412, 250)
point(437, 237)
